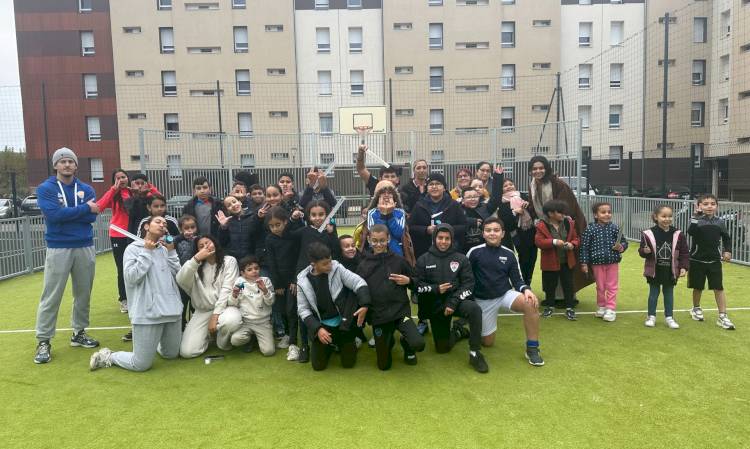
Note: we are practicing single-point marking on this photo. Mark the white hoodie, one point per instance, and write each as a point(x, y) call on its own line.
point(212, 293)
point(254, 305)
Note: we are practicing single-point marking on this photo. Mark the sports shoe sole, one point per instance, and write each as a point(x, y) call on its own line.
point(696, 318)
point(39, 362)
point(721, 325)
point(532, 363)
point(75, 344)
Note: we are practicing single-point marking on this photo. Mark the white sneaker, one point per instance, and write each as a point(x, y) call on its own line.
point(293, 354)
point(724, 322)
point(283, 342)
point(100, 359)
point(609, 315)
point(696, 313)
point(650, 321)
point(600, 312)
point(671, 323)
point(371, 343)
point(124, 306)
point(357, 342)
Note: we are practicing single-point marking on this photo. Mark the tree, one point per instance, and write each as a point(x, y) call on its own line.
point(12, 160)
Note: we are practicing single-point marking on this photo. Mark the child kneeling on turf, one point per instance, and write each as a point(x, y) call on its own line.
point(248, 312)
point(330, 300)
point(667, 259)
point(556, 236)
point(389, 275)
point(498, 284)
point(445, 283)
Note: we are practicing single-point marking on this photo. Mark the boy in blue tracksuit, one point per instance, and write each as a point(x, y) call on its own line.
point(69, 208)
point(499, 285)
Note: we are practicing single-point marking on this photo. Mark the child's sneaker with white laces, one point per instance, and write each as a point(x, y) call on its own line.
point(671, 323)
point(609, 315)
point(650, 321)
point(283, 342)
point(724, 322)
point(600, 312)
point(696, 313)
point(292, 354)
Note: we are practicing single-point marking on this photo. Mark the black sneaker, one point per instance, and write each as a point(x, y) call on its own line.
point(410, 357)
point(83, 340)
point(533, 356)
point(422, 328)
point(478, 362)
point(251, 345)
point(570, 314)
point(128, 336)
point(304, 354)
point(43, 352)
point(548, 311)
point(460, 331)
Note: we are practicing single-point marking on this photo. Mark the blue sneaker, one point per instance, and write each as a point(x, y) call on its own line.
point(43, 352)
point(83, 340)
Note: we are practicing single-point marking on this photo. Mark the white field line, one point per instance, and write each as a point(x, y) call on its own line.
point(619, 312)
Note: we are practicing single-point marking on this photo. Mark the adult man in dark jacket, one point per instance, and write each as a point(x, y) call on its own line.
point(444, 284)
point(389, 276)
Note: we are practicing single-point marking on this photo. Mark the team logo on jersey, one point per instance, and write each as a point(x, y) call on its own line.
point(503, 259)
point(454, 266)
point(80, 194)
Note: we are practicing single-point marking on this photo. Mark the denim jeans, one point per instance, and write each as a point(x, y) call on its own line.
point(653, 298)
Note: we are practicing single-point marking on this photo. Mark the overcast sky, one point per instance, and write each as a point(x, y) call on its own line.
point(11, 115)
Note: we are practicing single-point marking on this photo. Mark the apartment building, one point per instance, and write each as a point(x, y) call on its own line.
point(68, 86)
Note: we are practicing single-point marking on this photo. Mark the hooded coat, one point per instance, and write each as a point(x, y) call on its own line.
point(445, 211)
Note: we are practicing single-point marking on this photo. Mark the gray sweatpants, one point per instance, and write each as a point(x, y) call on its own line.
point(79, 264)
point(148, 339)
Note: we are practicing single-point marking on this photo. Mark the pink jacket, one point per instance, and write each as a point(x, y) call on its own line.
point(680, 253)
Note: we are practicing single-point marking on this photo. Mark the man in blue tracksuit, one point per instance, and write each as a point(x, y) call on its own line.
point(69, 208)
point(499, 285)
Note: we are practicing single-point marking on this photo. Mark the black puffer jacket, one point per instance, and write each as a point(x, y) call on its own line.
point(483, 211)
point(437, 267)
point(236, 238)
point(449, 211)
point(389, 301)
point(307, 235)
point(281, 256)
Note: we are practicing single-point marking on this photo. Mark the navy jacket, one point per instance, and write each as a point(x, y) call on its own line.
point(496, 271)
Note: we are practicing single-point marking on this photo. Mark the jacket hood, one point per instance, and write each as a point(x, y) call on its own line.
point(434, 249)
point(384, 187)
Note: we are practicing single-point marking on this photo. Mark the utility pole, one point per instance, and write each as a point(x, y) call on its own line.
point(664, 107)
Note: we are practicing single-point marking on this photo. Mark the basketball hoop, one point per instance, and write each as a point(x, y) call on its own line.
point(363, 131)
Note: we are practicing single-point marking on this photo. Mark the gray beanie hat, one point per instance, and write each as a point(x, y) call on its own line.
point(63, 153)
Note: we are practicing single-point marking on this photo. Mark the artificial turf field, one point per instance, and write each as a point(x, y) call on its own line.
point(605, 385)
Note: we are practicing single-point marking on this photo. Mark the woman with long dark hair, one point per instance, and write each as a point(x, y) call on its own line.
point(209, 279)
point(114, 199)
point(519, 227)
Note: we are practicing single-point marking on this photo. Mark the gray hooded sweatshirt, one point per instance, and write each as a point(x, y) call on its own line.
point(153, 296)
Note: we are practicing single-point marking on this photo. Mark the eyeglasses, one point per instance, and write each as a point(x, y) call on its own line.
point(434, 184)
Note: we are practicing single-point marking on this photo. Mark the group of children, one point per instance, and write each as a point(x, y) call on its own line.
point(302, 287)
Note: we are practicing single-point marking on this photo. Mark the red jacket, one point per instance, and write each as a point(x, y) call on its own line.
point(111, 200)
point(543, 241)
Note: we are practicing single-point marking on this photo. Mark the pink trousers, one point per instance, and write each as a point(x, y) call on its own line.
point(607, 281)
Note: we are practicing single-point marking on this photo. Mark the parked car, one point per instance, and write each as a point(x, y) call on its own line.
point(616, 190)
point(673, 192)
point(6, 208)
point(572, 181)
point(30, 207)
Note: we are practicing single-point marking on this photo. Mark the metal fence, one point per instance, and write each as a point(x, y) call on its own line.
point(22, 245)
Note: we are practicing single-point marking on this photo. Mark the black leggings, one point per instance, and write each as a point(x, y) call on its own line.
point(411, 340)
point(291, 318)
point(441, 326)
point(320, 353)
point(118, 251)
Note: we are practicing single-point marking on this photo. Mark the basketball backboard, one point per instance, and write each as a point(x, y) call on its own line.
point(356, 116)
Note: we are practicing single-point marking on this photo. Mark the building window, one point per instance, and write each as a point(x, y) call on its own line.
point(324, 83)
point(436, 36)
point(726, 23)
point(584, 2)
point(744, 94)
point(470, 45)
point(670, 62)
point(278, 114)
point(242, 81)
point(541, 65)
point(203, 50)
point(275, 28)
point(615, 157)
point(508, 34)
point(472, 2)
point(405, 112)
point(507, 118)
point(699, 72)
point(508, 76)
point(724, 111)
point(327, 159)
point(163, 5)
point(542, 23)
point(276, 72)
point(724, 67)
point(435, 2)
point(134, 73)
point(616, 33)
point(585, 158)
point(697, 109)
point(507, 157)
point(404, 70)
point(93, 130)
point(436, 121)
point(700, 30)
point(321, 4)
point(471, 88)
point(166, 40)
point(355, 40)
point(672, 20)
point(174, 167)
point(137, 116)
point(201, 6)
point(584, 116)
point(357, 82)
point(87, 43)
point(670, 104)
point(539, 107)
point(437, 156)
point(131, 30)
point(402, 26)
point(585, 30)
point(245, 124)
point(247, 160)
point(584, 76)
point(84, 5)
point(615, 75)
point(354, 4)
point(696, 150)
point(240, 40)
point(239, 4)
point(326, 123)
point(171, 126)
point(97, 169)
point(507, 2)
point(90, 89)
point(169, 84)
point(436, 79)
point(280, 156)
point(323, 39)
point(615, 116)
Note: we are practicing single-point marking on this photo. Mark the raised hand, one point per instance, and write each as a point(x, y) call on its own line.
point(222, 219)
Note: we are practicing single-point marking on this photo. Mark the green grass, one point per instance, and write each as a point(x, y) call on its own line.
point(605, 385)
